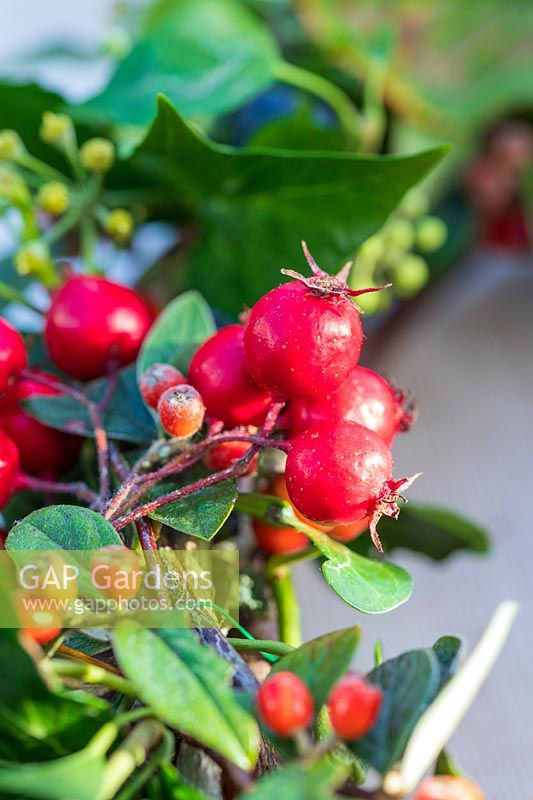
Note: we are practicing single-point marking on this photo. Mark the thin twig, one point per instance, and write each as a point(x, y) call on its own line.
point(78, 489)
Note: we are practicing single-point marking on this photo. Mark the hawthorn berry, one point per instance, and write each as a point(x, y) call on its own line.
point(347, 533)
point(339, 472)
point(219, 373)
point(364, 397)
point(353, 707)
point(13, 356)
point(223, 455)
point(156, 379)
point(181, 410)
point(9, 465)
point(448, 787)
point(43, 451)
point(277, 539)
point(285, 703)
point(42, 635)
point(94, 324)
point(303, 337)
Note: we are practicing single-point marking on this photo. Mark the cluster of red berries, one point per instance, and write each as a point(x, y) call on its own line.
point(286, 706)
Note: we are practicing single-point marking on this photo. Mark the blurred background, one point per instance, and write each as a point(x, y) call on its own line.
point(457, 327)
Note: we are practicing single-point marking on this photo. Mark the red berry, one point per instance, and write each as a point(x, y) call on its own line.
point(285, 703)
point(364, 397)
point(156, 379)
point(13, 357)
point(448, 787)
point(353, 707)
point(277, 540)
point(42, 635)
point(219, 373)
point(347, 533)
point(9, 464)
point(94, 324)
point(225, 454)
point(181, 410)
point(43, 451)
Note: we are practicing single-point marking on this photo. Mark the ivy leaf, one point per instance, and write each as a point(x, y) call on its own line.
point(409, 684)
point(63, 528)
point(253, 206)
point(125, 417)
point(366, 584)
point(180, 330)
point(316, 781)
point(187, 687)
point(208, 57)
point(321, 662)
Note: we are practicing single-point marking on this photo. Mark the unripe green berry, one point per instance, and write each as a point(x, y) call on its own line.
point(55, 128)
point(53, 198)
point(415, 204)
point(410, 275)
point(399, 233)
point(431, 234)
point(11, 146)
point(119, 225)
point(371, 250)
point(34, 259)
point(97, 155)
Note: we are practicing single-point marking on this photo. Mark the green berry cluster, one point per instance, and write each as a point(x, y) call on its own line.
point(396, 254)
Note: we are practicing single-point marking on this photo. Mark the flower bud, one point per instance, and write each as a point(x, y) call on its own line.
point(97, 155)
point(55, 129)
point(13, 189)
point(11, 146)
point(119, 225)
point(33, 259)
point(53, 198)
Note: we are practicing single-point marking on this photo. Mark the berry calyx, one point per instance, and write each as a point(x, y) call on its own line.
point(448, 787)
point(303, 337)
point(225, 454)
point(181, 410)
point(339, 472)
point(13, 358)
point(43, 451)
point(285, 704)
point(157, 379)
point(94, 325)
point(364, 397)
point(354, 707)
point(219, 372)
point(9, 464)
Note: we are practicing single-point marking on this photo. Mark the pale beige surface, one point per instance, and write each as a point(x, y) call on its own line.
point(467, 354)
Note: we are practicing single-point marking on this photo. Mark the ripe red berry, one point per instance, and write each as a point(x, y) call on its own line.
point(339, 473)
point(354, 706)
point(219, 373)
point(278, 540)
point(448, 787)
point(347, 533)
point(225, 454)
point(94, 324)
point(363, 397)
point(43, 451)
point(181, 410)
point(285, 703)
point(303, 337)
point(42, 635)
point(9, 465)
point(13, 357)
point(156, 379)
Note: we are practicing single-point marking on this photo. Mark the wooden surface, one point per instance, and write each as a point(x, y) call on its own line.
point(467, 355)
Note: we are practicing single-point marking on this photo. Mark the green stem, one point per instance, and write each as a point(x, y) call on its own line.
point(12, 295)
point(39, 167)
point(349, 117)
point(88, 245)
point(131, 754)
point(90, 674)
point(261, 646)
point(293, 558)
point(63, 226)
point(287, 605)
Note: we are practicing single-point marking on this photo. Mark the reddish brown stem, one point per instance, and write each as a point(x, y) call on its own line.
point(78, 489)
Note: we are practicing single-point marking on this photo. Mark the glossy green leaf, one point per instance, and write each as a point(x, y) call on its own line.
point(78, 777)
point(409, 683)
point(182, 327)
point(254, 206)
point(125, 417)
point(369, 585)
point(175, 787)
point(187, 687)
point(316, 781)
point(208, 57)
point(322, 661)
point(63, 528)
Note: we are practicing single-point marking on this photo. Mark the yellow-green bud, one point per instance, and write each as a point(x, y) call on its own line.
point(97, 155)
point(431, 234)
point(119, 225)
point(11, 146)
point(53, 198)
point(399, 233)
point(55, 128)
point(13, 189)
point(415, 204)
point(33, 259)
point(410, 275)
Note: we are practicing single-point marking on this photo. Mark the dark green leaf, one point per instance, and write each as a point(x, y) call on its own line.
point(125, 418)
point(21, 108)
point(175, 787)
point(435, 532)
point(322, 661)
point(448, 651)
point(300, 131)
point(409, 684)
point(316, 781)
point(187, 686)
point(208, 57)
point(63, 528)
point(254, 206)
point(182, 327)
